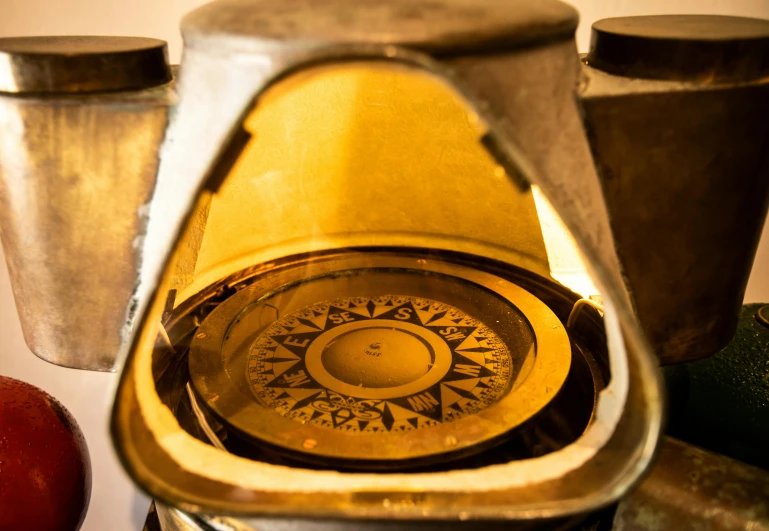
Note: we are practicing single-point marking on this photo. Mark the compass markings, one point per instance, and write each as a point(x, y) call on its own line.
point(449, 396)
point(339, 316)
point(296, 343)
point(341, 416)
point(308, 323)
point(474, 357)
point(405, 313)
point(281, 367)
point(471, 341)
point(358, 310)
point(478, 349)
point(295, 394)
point(426, 403)
point(464, 393)
point(295, 377)
point(466, 384)
point(453, 335)
point(435, 317)
point(466, 370)
point(307, 399)
point(387, 418)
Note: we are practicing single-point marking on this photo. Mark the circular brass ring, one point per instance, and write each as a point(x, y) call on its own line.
point(250, 333)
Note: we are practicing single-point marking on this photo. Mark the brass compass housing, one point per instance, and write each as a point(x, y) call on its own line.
point(333, 170)
point(350, 359)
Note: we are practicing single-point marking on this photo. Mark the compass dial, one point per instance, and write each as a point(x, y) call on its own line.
point(387, 363)
point(376, 359)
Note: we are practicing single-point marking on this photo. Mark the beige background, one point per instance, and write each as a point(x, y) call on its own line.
point(115, 504)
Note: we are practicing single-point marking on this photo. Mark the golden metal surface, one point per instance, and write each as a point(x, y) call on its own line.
point(364, 154)
point(415, 377)
point(691, 489)
point(81, 64)
point(76, 175)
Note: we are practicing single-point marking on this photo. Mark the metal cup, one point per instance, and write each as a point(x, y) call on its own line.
point(82, 122)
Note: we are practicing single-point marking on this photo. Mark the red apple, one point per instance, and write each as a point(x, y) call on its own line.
point(45, 471)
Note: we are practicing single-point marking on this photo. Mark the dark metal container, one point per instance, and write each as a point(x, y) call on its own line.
point(677, 112)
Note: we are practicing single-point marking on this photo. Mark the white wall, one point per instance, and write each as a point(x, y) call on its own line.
point(115, 504)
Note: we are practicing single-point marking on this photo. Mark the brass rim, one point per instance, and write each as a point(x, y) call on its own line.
point(316, 410)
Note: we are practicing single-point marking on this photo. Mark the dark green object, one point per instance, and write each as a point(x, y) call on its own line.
point(722, 403)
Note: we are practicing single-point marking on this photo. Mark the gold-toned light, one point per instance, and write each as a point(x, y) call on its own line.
point(566, 264)
point(364, 155)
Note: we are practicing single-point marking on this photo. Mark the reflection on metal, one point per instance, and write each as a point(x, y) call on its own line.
point(684, 166)
point(690, 488)
point(77, 172)
point(566, 264)
point(762, 315)
point(577, 310)
point(171, 519)
point(201, 418)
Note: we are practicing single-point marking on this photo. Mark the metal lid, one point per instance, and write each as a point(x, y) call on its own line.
point(436, 26)
point(702, 48)
point(81, 64)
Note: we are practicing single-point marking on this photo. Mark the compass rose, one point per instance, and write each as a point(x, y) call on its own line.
point(374, 358)
point(389, 363)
